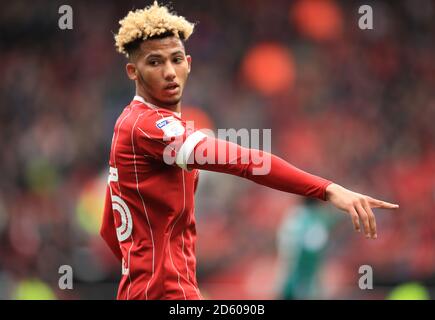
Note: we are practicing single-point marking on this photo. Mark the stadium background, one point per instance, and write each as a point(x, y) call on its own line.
point(353, 106)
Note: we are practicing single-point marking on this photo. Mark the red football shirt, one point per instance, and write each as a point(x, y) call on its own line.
point(149, 219)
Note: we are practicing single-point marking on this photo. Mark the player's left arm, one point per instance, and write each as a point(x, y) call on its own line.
point(281, 176)
point(107, 230)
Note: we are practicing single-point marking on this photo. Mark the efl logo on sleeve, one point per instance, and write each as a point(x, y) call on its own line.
point(170, 126)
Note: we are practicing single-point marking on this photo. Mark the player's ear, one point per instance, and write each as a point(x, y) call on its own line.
point(131, 70)
point(189, 62)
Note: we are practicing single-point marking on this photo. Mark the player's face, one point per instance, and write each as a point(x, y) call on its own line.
point(162, 69)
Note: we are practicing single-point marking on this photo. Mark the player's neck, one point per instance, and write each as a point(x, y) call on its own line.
point(173, 108)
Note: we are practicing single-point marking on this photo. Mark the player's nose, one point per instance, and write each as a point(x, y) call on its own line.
point(169, 72)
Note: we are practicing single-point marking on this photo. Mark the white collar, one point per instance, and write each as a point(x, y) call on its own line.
point(139, 98)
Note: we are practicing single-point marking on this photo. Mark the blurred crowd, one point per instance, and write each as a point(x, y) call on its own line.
point(354, 106)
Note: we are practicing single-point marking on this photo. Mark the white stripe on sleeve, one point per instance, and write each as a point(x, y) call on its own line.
point(187, 148)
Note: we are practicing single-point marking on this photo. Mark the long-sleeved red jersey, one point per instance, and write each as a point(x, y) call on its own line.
point(149, 220)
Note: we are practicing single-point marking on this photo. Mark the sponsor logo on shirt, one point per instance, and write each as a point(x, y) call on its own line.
point(161, 124)
point(170, 126)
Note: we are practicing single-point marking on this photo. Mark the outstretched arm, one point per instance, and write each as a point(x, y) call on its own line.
point(261, 167)
point(221, 156)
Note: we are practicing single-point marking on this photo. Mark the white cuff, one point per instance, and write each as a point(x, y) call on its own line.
point(187, 148)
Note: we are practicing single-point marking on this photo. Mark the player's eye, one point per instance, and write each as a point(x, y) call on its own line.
point(153, 63)
point(178, 59)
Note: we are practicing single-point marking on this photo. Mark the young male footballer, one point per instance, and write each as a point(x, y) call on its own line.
point(149, 221)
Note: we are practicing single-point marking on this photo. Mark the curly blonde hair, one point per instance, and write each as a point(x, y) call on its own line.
point(149, 22)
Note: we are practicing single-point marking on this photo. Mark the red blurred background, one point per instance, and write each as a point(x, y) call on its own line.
point(354, 106)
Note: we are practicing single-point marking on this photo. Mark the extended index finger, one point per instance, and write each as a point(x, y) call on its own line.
point(375, 203)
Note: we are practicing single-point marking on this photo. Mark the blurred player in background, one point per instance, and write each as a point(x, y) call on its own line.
point(149, 220)
point(302, 245)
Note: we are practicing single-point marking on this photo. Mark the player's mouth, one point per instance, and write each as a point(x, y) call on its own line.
point(172, 88)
